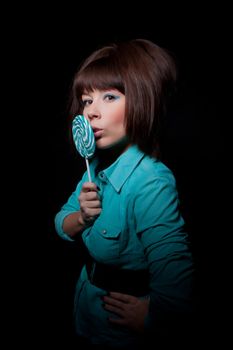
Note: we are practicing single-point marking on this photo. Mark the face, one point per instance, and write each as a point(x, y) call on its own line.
point(105, 111)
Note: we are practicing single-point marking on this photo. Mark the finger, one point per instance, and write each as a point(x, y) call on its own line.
point(93, 212)
point(90, 213)
point(91, 195)
point(126, 298)
point(89, 186)
point(114, 302)
point(116, 310)
point(85, 198)
point(93, 204)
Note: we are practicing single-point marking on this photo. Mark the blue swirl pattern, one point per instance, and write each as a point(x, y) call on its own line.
point(83, 136)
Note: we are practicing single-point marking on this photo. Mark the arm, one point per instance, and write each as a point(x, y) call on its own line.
point(73, 224)
point(78, 213)
point(160, 229)
point(90, 208)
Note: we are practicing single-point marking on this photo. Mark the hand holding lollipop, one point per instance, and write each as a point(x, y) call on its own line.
point(84, 139)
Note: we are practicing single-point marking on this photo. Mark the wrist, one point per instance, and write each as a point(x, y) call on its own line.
point(81, 221)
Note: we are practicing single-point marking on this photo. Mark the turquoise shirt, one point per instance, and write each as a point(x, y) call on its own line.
point(140, 226)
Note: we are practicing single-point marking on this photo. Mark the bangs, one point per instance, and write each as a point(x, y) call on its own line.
point(101, 75)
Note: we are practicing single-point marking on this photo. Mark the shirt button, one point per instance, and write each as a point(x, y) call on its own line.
point(104, 232)
point(102, 176)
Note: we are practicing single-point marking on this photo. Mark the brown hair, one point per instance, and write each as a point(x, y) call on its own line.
point(144, 72)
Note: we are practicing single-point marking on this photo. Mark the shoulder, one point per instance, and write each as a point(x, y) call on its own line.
point(153, 170)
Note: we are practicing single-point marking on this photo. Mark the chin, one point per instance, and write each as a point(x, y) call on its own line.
point(120, 143)
point(101, 144)
point(103, 147)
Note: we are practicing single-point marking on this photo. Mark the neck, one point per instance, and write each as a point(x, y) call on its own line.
point(109, 155)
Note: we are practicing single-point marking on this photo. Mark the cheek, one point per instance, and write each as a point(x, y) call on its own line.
point(118, 118)
point(85, 114)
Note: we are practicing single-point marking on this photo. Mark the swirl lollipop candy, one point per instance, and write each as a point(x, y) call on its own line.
point(84, 139)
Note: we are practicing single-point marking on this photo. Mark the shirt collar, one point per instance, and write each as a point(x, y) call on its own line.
point(118, 172)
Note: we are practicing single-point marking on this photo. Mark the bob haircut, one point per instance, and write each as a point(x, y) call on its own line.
point(144, 72)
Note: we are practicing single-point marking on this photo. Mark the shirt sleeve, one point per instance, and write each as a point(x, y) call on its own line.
point(71, 206)
point(160, 227)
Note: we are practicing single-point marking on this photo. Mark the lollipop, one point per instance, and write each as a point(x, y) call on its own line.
point(84, 139)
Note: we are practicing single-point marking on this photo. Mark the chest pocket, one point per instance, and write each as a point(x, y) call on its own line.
point(108, 231)
point(103, 240)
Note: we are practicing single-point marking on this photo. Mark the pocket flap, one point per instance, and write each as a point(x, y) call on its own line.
point(107, 230)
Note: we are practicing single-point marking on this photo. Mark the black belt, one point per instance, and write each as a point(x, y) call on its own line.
point(114, 279)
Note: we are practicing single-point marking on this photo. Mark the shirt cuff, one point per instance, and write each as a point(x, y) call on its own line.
point(59, 218)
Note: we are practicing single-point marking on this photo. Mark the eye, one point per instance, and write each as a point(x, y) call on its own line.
point(86, 102)
point(110, 97)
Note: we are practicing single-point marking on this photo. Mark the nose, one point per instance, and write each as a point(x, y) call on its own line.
point(93, 111)
point(93, 115)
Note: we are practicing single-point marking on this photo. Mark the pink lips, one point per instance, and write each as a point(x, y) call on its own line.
point(97, 132)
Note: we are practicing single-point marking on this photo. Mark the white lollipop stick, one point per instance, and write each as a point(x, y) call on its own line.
point(88, 169)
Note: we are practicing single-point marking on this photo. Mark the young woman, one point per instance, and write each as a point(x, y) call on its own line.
point(138, 279)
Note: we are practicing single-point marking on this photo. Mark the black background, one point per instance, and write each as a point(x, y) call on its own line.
point(47, 46)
